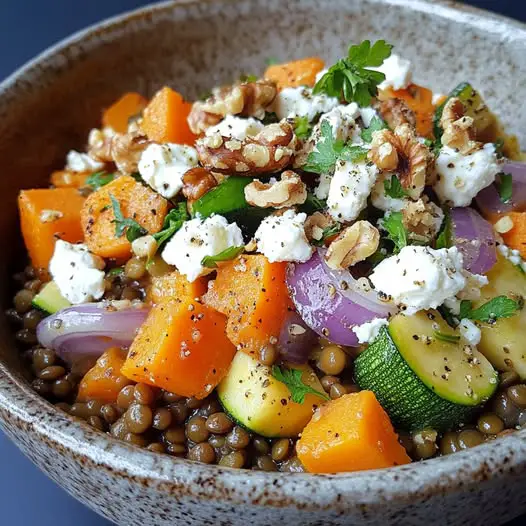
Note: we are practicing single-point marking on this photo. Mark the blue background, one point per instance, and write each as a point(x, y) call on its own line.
point(27, 27)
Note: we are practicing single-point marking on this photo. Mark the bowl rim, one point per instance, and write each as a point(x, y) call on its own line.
point(22, 408)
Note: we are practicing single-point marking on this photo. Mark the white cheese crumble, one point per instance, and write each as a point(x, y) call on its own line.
point(367, 332)
point(82, 162)
point(324, 183)
point(77, 272)
point(282, 238)
point(461, 177)
point(397, 71)
point(162, 166)
point(469, 332)
point(420, 277)
point(349, 189)
point(380, 200)
point(236, 127)
point(343, 123)
point(300, 102)
point(512, 255)
point(197, 239)
point(367, 115)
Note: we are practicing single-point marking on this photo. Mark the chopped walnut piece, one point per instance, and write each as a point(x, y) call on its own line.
point(459, 129)
point(354, 244)
point(249, 99)
point(126, 151)
point(197, 182)
point(289, 191)
point(396, 112)
point(401, 152)
point(315, 224)
point(269, 151)
point(422, 219)
point(99, 145)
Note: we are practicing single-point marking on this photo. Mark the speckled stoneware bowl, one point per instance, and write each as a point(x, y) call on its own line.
point(48, 107)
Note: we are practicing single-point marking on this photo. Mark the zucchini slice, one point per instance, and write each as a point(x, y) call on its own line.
point(422, 381)
point(260, 403)
point(49, 299)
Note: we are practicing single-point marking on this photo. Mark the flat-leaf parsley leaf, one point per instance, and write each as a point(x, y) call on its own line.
point(490, 312)
point(172, 223)
point(226, 255)
point(292, 378)
point(505, 187)
point(125, 225)
point(99, 179)
point(377, 124)
point(396, 232)
point(393, 188)
point(302, 128)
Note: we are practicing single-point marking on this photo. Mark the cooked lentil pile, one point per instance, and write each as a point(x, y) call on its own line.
point(297, 273)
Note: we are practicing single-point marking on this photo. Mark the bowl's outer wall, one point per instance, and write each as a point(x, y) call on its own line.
point(193, 46)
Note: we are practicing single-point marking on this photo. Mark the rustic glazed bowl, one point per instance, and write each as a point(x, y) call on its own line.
point(48, 106)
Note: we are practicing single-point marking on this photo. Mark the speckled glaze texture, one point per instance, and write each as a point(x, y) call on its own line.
point(49, 106)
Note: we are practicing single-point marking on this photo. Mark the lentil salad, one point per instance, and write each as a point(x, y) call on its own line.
point(286, 274)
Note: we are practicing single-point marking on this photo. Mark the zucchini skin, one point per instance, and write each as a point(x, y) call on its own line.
point(410, 404)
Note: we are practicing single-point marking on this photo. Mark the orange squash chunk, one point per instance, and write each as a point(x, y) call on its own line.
point(136, 201)
point(252, 292)
point(516, 237)
point(351, 433)
point(104, 380)
point(175, 285)
point(165, 118)
point(296, 73)
point(40, 230)
point(120, 112)
point(65, 178)
point(181, 347)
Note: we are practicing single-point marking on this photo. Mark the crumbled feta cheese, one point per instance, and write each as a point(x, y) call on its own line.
point(282, 238)
point(471, 290)
point(462, 177)
point(197, 239)
point(453, 304)
point(77, 272)
point(437, 97)
point(367, 115)
point(420, 277)
point(162, 166)
point(350, 187)
point(469, 331)
point(82, 162)
point(324, 184)
point(300, 102)
point(97, 137)
point(236, 127)
point(50, 216)
point(397, 71)
point(367, 332)
point(343, 122)
point(380, 200)
point(513, 256)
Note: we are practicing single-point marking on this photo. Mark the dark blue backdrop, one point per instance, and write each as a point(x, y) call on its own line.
point(27, 27)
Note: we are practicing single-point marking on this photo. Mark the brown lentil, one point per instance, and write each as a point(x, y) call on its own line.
point(449, 443)
point(265, 463)
point(175, 435)
point(470, 438)
point(131, 293)
point(235, 459)
point(517, 394)
point(193, 403)
point(202, 452)
point(196, 430)
point(26, 337)
point(96, 422)
point(219, 423)
point(135, 268)
point(508, 378)
point(425, 444)
point(176, 449)
point(22, 301)
point(337, 391)
point(209, 408)
point(238, 438)
point(61, 388)
point(332, 360)
point(280, 449)
point(109, 413)
point(144, 394)
point(217, 441)
point(327, 381)
point(119, 428)
point(31, 319)
point(33, 285)
point(260, 445)
point(170, 398)
point(268, 354)
point(293, 465)
point(505, 409)
point(125, 397)
point(136, 440)
point(94, 407)
point(490, 424)
point(156, 447)
point(41, 387)
point(80, 409)
point(52, 372)
point(179, 412)
point(162, 419)
point(43, 358)
point(138, 418)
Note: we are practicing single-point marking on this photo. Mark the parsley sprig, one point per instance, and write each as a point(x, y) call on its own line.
point(292, 378)
point(172, 223)
point(393, 188)
point(328, 150)
point(350, 77)
point(125, 225)
point(377, 124)
point(302, 128)
point(393, 224)
point(328, 232)
point(505, 187)
point(226, 255)
point(445, 237)
point(99, 179)
point(495, 309)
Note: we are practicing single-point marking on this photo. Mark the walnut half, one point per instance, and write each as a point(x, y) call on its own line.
point(249, 99)
point(459, 129)
point(422, 219)
point(396, 112)
point(126, 151)
point(356, 243)
point(289, 191)
point(269, 151)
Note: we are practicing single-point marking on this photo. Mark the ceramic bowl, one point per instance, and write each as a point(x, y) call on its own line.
point(48, 107)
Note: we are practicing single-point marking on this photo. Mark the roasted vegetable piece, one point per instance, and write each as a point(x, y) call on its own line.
point(296, 73)
point(137, 202)
point(351, 433)
point(164, 119)
point(175, 285)
point(104, 380)
point(252, 292)
point(118, 115)
point(516, 237)
point(182, 347)
point(45, 216)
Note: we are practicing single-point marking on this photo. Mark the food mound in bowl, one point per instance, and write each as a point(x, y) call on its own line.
point(317, 270)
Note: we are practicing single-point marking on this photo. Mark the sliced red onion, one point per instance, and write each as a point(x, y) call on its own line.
point(296, 339)
point(488, 200)
point(475, 239)
point(331, 302)
point(83, 332)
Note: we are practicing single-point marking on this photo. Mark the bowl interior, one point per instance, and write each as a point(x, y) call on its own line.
point(194, 45)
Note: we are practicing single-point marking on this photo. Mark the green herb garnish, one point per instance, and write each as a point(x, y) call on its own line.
point(377, 124)
point(328, 232)
point(445, 337)
point(302, 128)
point(312, 204)
point(446, 313)
point(495, 309)
point(172, 223)
point(292, 378)
point(445, 237)
point(115, 271)
point(393, 188)
point(350, 78)
point(99, 179)
point(270, 118)
point(125, 225)
point(505, 187)
point(499, 147)
point(225, 255)
point(396, 232)
point(248, 77)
